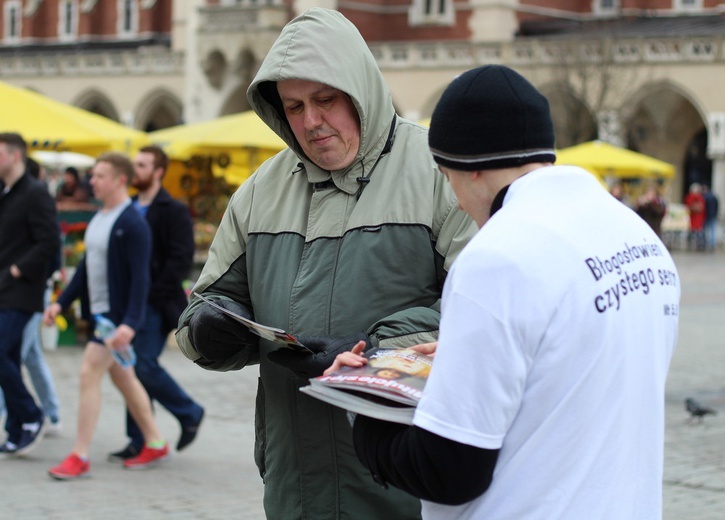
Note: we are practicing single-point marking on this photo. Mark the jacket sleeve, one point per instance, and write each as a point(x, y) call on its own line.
point(422, 463)
point(180, 253)
point(34, 262)
point(138, 261)
point(452, 229)
point(224, 276)
point(75, 287)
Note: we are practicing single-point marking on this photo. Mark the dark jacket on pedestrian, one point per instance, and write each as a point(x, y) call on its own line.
point(129, 257)
point(172, 255)
point(711, 206)
point(30, 239)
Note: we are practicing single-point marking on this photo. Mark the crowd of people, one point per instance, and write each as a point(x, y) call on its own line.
point(462, 242)
point(138, 252)
point(701, 204)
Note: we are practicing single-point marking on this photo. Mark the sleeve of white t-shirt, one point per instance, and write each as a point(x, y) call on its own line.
point(489, 322)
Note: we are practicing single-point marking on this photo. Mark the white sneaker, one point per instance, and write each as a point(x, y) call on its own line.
point(54, 429)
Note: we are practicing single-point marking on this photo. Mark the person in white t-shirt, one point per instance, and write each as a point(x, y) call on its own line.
point(112, 282)
point(559, 320)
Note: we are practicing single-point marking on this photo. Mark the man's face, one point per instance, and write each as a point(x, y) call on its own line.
point(69, 179)
point(8, 159)
point(472, 199)
point(143, 166)
point(323, 120)
point(105, 182)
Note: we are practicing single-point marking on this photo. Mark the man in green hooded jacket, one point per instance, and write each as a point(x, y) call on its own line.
point(344, 236)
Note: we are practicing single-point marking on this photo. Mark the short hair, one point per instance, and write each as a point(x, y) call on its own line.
point(71, 170)
point(120, 162)
point(161, 160)
point(15, 141)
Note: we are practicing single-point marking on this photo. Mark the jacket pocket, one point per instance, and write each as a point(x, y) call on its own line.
point(260, 430)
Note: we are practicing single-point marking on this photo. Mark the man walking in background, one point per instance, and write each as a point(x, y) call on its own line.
point(29, 238)
point(112, 281)
point(171, 259)
point(711, 211)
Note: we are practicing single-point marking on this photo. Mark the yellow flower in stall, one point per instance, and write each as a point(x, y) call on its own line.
point(79, 247)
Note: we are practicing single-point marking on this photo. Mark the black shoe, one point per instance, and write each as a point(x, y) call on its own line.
point(31, 435)
point(126, 453)
point(188, 433)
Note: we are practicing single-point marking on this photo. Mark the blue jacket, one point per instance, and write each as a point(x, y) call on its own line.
point(129, 279)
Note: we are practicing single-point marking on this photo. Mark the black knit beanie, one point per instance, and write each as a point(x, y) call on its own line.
point(488, 118)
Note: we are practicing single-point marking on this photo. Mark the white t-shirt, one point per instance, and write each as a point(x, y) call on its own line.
point(559, 320)
point(97, 238)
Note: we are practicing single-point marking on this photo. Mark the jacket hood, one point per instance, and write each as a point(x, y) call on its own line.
point(323, 46)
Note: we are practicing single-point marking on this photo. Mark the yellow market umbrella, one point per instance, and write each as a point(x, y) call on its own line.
point(231, 146)
point(242, 130)
point(46, 124)
point(605, 160)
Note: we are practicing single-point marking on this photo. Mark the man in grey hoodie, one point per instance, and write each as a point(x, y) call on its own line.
point(345, 236)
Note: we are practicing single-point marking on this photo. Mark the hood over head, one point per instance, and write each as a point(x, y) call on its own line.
point(322, 45)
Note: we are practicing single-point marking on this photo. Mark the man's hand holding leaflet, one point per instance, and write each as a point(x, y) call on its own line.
point(217, 336)
point(269, 333)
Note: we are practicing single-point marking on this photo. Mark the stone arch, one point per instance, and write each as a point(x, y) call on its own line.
point(573, 120)
point(97, 102)
point(159, 109)
point(426, 109)
point(244, 69)
point(215, 68)
point(246, 66)
point(664, 120)
point(236, 101)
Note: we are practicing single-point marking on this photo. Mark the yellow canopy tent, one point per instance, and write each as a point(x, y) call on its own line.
point(208, 158)
point(606, 160)
point(46, 124)
point(233, 146)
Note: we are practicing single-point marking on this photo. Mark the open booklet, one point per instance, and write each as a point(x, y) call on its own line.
point(269, 333)
point(388, 387)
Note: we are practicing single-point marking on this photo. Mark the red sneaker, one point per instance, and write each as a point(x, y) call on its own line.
point(147, 458)
point(71, 467)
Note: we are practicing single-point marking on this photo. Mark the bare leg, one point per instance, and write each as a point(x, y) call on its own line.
point(96, 362)
point(137, 401)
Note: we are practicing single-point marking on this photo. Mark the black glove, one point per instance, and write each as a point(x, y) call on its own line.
point(325, 350)
point(216, 336)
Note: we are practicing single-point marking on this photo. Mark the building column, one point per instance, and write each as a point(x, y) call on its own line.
point(716, 152)
point(609, 128)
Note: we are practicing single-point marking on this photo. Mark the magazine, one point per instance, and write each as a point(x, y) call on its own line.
point(269, 333)
point(388, 387)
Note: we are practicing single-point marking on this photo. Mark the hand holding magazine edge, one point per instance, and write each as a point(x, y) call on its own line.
point(387, 384)
point(276, 335)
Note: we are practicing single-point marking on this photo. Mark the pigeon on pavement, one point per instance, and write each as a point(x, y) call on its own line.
point(697, 410)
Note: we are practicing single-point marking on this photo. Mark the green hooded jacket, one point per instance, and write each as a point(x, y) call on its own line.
point(317, 252)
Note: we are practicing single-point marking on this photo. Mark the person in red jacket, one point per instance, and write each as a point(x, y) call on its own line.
point(695, 202)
